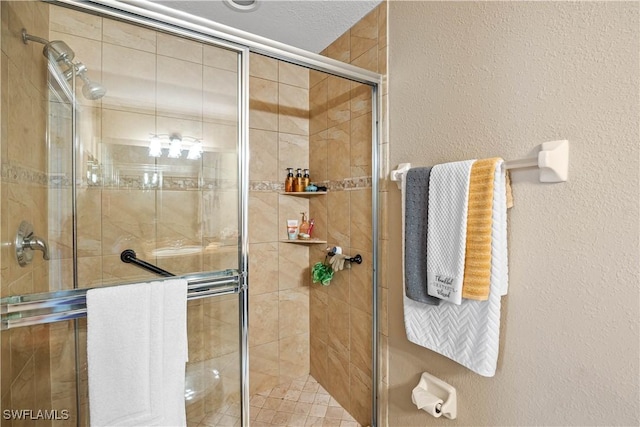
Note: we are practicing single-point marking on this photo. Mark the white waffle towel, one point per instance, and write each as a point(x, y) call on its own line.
point(499, 257)
point(468, 333)
point(136, 351)
point(447, 229)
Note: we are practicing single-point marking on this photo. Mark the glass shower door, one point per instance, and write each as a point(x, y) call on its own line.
point(138, 150)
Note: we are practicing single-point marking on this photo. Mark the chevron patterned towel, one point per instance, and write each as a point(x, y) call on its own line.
point(468, 333)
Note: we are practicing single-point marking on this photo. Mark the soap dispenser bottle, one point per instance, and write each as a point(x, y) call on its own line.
point(288, 182)
point(298, 183)
point(306, 179)
point(304, 224)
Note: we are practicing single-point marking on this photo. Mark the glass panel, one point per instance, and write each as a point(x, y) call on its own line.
point(213, 373)
point(153, 119)
point(307, 341)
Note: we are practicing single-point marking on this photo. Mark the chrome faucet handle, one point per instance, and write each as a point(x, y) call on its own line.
point(38, 244)
point(26, 243)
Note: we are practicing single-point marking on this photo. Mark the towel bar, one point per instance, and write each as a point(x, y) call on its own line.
point(552, 160)
point(35, 309)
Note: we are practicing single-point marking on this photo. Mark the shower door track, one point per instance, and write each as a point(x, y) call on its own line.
point(36, 309)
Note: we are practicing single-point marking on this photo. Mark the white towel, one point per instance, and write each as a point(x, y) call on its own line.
point(447, 229)
point(468, 333)
point(137, 350)
point(499, 258)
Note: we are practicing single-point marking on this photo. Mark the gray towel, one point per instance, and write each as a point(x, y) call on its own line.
point(415, 235)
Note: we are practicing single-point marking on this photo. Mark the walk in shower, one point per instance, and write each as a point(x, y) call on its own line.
point(142, 136)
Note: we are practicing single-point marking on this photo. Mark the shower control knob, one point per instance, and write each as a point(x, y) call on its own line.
point(26, 243)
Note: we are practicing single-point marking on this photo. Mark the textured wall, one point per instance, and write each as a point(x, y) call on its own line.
point(482, 79)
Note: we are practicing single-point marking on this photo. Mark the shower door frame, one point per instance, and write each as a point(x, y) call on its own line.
point(146, 13)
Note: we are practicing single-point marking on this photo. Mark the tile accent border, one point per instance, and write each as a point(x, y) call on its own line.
point(22, 175)
point(347, 184)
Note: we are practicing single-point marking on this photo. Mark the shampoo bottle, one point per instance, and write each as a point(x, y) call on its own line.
point(288, 182)
point(298, 183)
point(306, 180)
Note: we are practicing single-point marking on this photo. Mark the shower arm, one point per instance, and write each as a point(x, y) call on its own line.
point(26, 37)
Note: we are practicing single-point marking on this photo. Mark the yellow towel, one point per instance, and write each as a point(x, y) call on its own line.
point(477, 260)
point(509, 191)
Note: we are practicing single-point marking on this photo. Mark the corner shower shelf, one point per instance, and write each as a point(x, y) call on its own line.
point(305, 242)
point(304, 193)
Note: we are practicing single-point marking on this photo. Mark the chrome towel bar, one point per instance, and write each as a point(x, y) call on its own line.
point(35, 309)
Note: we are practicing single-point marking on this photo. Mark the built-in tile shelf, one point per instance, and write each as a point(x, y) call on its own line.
point(304, 193)
point(305, 242)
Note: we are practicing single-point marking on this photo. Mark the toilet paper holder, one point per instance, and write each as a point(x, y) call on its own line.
point(435, 396)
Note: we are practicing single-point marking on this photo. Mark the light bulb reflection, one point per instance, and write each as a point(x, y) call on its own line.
point(175, 148)
point(155, 147)
point(195, 151)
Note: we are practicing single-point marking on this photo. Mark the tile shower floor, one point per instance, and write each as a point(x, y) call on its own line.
point(301, 403)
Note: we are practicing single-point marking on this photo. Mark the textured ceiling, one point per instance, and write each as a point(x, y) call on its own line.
point(307, 24)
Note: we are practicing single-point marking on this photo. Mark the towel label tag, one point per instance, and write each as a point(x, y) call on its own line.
point(443, 287)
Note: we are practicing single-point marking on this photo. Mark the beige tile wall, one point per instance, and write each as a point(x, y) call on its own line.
point(340, 147)
point(279, 272)
point(25, 355)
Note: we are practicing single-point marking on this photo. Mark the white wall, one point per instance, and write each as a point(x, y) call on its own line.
point(476, 79)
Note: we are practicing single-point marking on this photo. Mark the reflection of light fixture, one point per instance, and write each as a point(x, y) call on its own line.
point(175, 143)
point(175, 148)
point(155, 147)
point(242, 5)
point(195, 151)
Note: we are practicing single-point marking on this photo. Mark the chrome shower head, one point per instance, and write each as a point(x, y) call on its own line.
point(92, 90)
point(58, 51)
